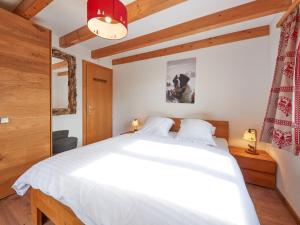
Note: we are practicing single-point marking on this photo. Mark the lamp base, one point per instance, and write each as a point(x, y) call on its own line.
point(252, 152)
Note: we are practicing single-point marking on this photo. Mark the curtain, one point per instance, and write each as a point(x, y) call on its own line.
point(283, 114)
point(297, 103)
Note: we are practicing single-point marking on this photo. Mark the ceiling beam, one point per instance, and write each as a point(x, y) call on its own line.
point(59, 65)
point(29, 8)
point(142, 8)
point(136, 11)
point(288, 12)
point(248, 11)
point(219, 40)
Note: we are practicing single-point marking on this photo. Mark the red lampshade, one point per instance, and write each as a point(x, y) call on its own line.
point(107, 18)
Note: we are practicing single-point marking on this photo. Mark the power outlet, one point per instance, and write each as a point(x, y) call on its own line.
point(4, 120)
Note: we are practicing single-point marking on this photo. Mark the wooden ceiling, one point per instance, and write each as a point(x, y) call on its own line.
point(140, 9)
point(219, 40)
point(136, 10)
point(29, 8)
point(223, 18)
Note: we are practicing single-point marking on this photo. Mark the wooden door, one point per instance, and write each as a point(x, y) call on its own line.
point(25, 51)
point(97, 103)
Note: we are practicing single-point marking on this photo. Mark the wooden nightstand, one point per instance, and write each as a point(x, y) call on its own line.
point(257, 169)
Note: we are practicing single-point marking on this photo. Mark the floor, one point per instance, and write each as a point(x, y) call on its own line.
point(270, 209)
point(15, 210)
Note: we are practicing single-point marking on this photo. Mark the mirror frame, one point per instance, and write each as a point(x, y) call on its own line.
point(72, 95)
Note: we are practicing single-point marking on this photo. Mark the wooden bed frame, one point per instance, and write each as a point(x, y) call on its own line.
point(59, 214)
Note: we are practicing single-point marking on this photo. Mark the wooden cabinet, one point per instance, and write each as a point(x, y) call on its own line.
point(257, 169)
point(25, 51)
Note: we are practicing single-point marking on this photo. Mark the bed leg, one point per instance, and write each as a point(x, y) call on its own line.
point(35, 212)
point(36, 216)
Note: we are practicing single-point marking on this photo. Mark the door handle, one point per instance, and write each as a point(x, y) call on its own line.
point(4, 120)
point(100, 80)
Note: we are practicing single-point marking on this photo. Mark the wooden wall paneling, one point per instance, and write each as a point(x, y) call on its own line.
point(136, 10)
point(219, 40)
point(29, 8)
point(10, 175)
point(84, 101)
point(25, 96)
point(248, 11)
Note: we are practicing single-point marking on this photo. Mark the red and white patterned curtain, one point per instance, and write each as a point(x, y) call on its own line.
point(297, 103)
point(281, 125)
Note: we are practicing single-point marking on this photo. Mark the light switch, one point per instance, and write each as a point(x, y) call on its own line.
point(4, 120)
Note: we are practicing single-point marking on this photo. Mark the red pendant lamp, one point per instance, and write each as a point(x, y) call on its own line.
point(107, 18)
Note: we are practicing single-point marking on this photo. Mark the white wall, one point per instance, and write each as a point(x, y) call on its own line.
point(288, 174)
point(74, 122)
point(232, 83)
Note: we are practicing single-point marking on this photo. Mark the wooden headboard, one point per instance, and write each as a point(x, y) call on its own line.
point(222, 127)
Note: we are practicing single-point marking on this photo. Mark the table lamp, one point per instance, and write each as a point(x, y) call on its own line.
point(135, 125)
point(250, 135)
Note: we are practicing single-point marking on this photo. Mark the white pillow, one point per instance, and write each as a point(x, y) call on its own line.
point(158, 126)
point(195, 130)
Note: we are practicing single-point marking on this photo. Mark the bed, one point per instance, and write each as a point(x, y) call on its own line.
point(141, 180)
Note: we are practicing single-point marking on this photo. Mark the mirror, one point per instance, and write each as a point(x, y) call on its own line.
point(63, 83)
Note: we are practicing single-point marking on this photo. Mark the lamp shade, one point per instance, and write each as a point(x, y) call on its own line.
point(135, 123)
point(107, 18)
point(250, 135)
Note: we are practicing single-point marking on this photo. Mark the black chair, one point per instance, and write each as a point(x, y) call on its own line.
point(61, 142)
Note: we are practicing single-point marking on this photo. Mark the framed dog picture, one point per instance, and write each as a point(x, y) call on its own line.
point(181, 78)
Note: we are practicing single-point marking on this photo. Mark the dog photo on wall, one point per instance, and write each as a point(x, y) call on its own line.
point(181, 78)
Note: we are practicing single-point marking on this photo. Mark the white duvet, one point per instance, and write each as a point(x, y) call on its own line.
point(139, 180)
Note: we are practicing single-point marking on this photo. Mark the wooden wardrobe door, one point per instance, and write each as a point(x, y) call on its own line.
point(98, 103)
point(25, 57)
